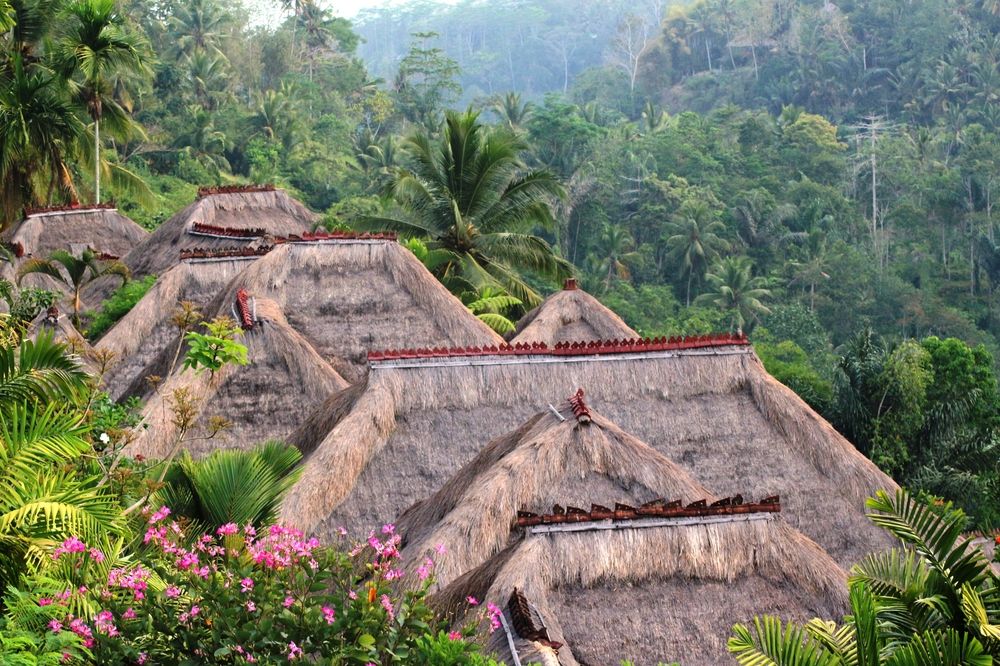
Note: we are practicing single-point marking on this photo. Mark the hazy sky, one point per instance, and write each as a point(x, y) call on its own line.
point(269, 11)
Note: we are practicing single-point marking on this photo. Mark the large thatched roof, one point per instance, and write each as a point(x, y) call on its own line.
point(648, 591)
point(262, 400)
point(571, 315)
point(148, 328)
point(556, 457)
point(217, 221)
point(102, 229)
point(349, 295)
point(707, 405)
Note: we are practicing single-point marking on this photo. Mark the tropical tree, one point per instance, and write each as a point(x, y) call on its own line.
point(492, 307)
point(42, 499)
point(231, 486)
point(471, 196)
point(198, 25)
point(695, 241)
point(736, 292)
point(97, 43)
point(74, 272)
point(933, 601)
point(616, 248)
point(511, 111)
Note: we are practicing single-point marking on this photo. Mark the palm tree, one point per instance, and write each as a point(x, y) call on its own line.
point(202, 141)
point(736, 292)
point(42, 500)
point(934, 601)
point(695, 241)
point(231, 486)
point(492, 307)
point(97, 43)
point(198, 25)
point(38, 129)
point(75, 272)
point(207, 78)
point(511, 111)
point(471, 196)
point(616, 249)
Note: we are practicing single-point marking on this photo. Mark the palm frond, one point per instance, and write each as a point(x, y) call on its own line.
point(769, 643)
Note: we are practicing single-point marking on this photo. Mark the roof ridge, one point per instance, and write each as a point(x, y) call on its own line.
point(580, 410)
point(312, 236)
point(226, 253)
point(657, 508)
point(202, 229)
point(246, 317)
point(235, 189)
point(70, 208)
point(582, 348)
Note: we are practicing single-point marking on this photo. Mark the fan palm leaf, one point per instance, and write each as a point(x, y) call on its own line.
point(40, 369)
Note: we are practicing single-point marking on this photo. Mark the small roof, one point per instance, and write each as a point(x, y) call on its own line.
point(100, 228)
point(706, 404)
point(261, 400)
point(647, 590)
point(571, 315)
point(231, 217)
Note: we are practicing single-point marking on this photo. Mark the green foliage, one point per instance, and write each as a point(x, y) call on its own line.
point(790, 365)
point(74, 272)
point(215, 349)
point(231, 486)
point(118, 305)
point(492, 307)
point(24, 304)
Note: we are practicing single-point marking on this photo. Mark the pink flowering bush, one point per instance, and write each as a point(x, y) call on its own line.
point(243, 596)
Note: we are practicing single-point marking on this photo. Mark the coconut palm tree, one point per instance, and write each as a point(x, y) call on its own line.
point(934, 601)
point(736, 292)
point(198, 25)
point(511, 111)
point(38, 129)
point(39, 371)
point(97, 43)
point(695, 241)
point(616, 248)
point(75, 272)
point(471, 195)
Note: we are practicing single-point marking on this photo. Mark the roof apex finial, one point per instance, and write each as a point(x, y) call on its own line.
point(570, 284)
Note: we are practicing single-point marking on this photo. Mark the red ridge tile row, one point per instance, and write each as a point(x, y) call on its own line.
point(199, 228)
point(658, 508)
point(71, 207)
point(580, 410)
point(107, 256)
point(308, 236)
point(243, 308)
point(635, 345)
point(234, 189)
point(227, 253)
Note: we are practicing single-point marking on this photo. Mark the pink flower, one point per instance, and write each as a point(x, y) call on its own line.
point(393, 574)
point(352, 595)
point(129, 614)
point(342, 531)
point(387, 605)
point(228, 528)
point(288, 602)
point(454, 635)
point(251, 606)
point(495, 614)
point(70, 545)
point(246, 585)
point(44, 601)
point(56, 626)
point(423, 572)
point(142, 658)
point(96, 555)
point(160, 514)
point(472, 601)
point(294, 651)
point(388, 529)
point(440, 549)
point(195, 610)
point(328, 614)
point(172, 592)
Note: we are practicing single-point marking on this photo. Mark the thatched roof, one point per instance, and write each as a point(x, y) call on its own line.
point(570, 315)
point(262, 400)
point(148, 328)
point(646, 593)
point(354, 294)
point(103, 230)
point(711, 408)
point(553, 458)
point(58, 324)
point(235, 219)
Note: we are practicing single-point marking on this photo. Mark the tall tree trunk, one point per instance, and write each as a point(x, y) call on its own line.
point(756, 72)
point(708, 52)
point(689, 288)
point(97, 160)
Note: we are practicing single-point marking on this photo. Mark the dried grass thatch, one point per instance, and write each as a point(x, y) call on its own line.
point(261, 401)
point(103, 230)
point(715, 412)
point(274, 212)
point(552, 458)
point(143, 334)
point(652, 595)
point(348, 297)
point(62, 330)
point(571, 315)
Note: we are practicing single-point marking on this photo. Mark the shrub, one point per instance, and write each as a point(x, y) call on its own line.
point(216, 349)
point(118, 305)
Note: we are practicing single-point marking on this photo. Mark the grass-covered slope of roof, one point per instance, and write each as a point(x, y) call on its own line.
point(261, 400)
point(648, 591)
point(707, 405)
point(231, 218)
point(572, 456)
point(149, 328)
point(571, 315)
point(351, 294)
point(102, 229)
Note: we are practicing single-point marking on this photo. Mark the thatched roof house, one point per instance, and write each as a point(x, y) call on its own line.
point(100, 228)
point(648, 589)
point(571, 315)
point(706, 404)
point(56, 323)
point(261, 400)
point(351, 293)
point(571, 456)
point(148, 328)
point(232, 217)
